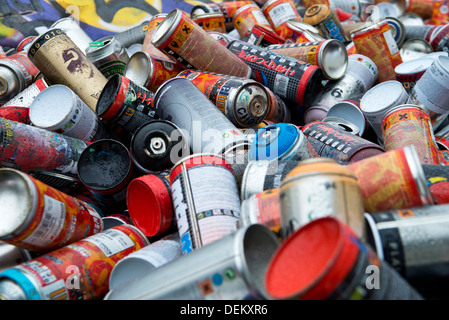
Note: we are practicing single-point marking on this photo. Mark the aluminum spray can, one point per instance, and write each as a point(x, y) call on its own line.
point(322, 17)
point(245, 102)
point(179, 36)
point(78, 271)
point(278, 13)
point(223, 270)
point(348, 115)
point(408, 73)
point(295, 30)
point(134, 35)
point(211, 22)
point(205, 200)
point(47, 218)
point(148, 47)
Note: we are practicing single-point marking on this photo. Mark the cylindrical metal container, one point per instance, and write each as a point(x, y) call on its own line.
point(333, 142)
point(149, 203)
point(247, 17)
point(40, 218)
point(279, 112)
point(330, 55)
point(17, 72)
point(349, 111)
point(415, 48)
point(376, 102)
point(297, 28)
point(408, 124)
point(61, 61)
point(205, 199)
point(11, 255)
point(125, 103)
point(231, 268)
point(317, 188)
point(408, 73)
point(144, 261)
point(263, 37)
point(149, 48)
point(108, 55)
point(322, 17)
point(377, 43)
point(73, 30)
point(78, 271)
point(245, 102)
point(211, 21)
point(325, 260)
point(440, 12)
point(178, 36)
point(293, 80)
point(278, 13)
point(343, 124)
point(423, 8)
point(59, 109)
point(392, 180)
point(23, 45)
point(207, 129)
point(280, 141)
point(157, 145)
point(133, 35)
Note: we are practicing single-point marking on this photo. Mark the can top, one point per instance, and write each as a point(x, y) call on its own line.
point(10, 84)
point(18, 202)
point(52, 106)
point(342, 123)
point(333, 59)
point(418, 45)
point(414, 66)
point(383, 96)
point(139, 68)
point(350, 112)
point(199, 159)
point(166, 27)
point(311, 14)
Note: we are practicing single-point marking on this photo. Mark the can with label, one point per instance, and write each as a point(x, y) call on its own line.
point(408, 73)
point(279, 111)
point(24, 45)
point(293, 80)
point(278, 13)
point(61, 61)
point(245, 102)
point(280, 141)
point(18, 107)
point(377, 43)
point(330, 55)
point(211, 21)
point(125, 103)
point(40, 218)
point(263, 37)
point(393, 94)
point(207, 129)
point(392, 180)
point(334, 264)
point(231, 268)
point(440, 12)
point(317, 188)
point(180, 37)
point(145, 260)
point(108, 55)
point(322, 17)
point(349, 111)
point(408, 124)
point(205, 200)
point(149, 203)
point(149, 48)
point(330, 141)
point(249, 16)
point(71, 27)
point(157, 145)
point(59, 109)
point(295, 29)
point(105, 168)
point(78, 271)
point(423, 8)
point(17, 72)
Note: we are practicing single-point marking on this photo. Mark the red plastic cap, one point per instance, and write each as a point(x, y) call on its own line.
point(312, 261)
point(149, 205)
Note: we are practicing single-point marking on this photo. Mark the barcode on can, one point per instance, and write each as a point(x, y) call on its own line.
point(281, 13)
point(281, 85)
point(111, 241)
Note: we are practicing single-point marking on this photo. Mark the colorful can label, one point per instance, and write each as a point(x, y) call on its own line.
point(278, 13)
point(211, 22)
point(20, 61)
point(247, 17)
point(151, 49)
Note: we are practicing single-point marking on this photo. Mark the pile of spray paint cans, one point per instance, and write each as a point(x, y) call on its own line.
point(266, 150)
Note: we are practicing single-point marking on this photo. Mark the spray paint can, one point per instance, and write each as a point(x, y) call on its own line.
point(392, 180)
point(330, 141)
point(108, 55)
point(207, 129)
point(105, 168)
point(247, 17)
point(59, 109)
point(279, 112)
point(157, 145)
point(17, 72)
point(263, 37)
point(410, 125)
point(348, 115)
point(330, 55)
point(12, 255)
point(337, 272)
point(78, 271)
point(205, 200)
point(278, 13)
point(317, 188)
point(414, 48)
point(377, 43)
point(322, 17)
point(48, 219)
point(125, 103)
point(231, 268)
point(293, 80)
point(148, 47)
point(179, 36)
point(211, 22)
point(24, 45)
point(408, 73)
point(245, 102)
point(62, 62)
point(143, 261)
point(73, 30)
point(134, 35)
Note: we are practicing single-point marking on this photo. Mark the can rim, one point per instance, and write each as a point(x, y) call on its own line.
point(333, 69)
point(146, 68)
point(166, 27)
point(200, 155)
point(374, 234)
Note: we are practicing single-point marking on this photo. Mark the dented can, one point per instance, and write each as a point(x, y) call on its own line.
point(249, 16)
point(78, 271)
point(278, 13)
point(322, 17)
point(62, 62)
point(245, 102)
point(40, 218)
point(206, 209)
